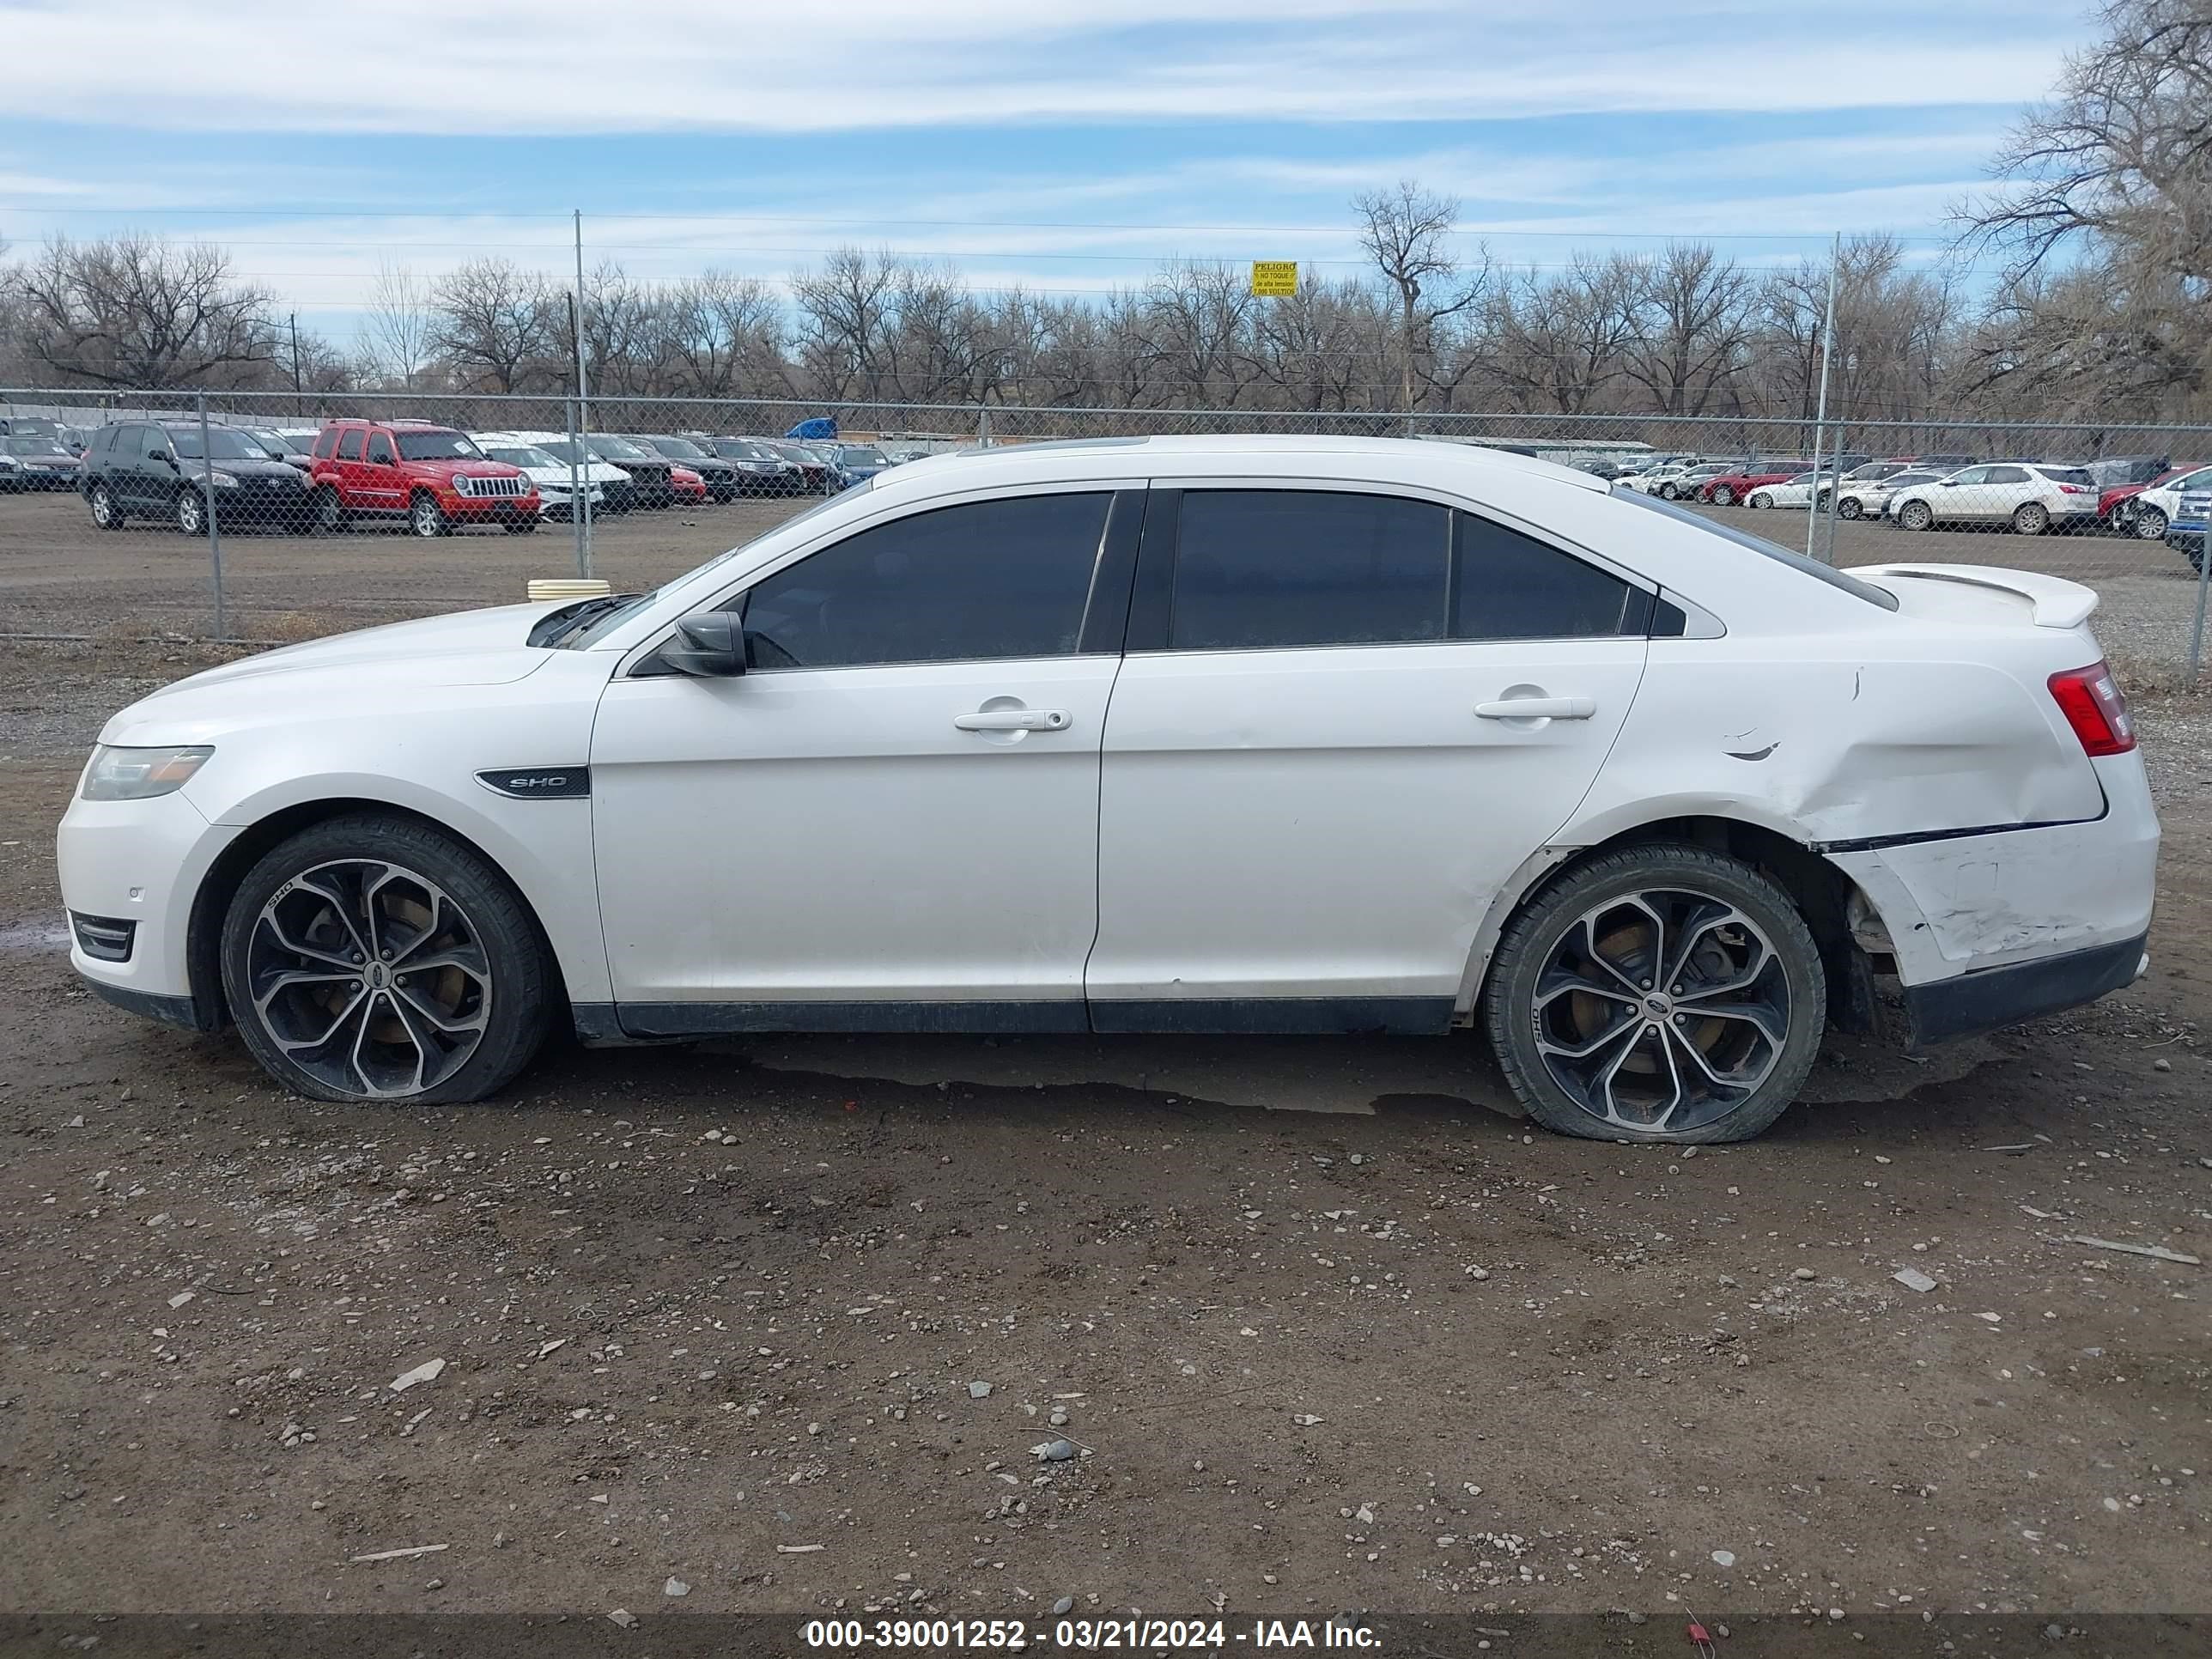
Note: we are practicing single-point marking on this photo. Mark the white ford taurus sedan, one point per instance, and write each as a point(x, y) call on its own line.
point(1198, 735)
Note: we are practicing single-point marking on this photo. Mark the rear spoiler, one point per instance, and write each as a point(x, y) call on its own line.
point(2059, 603)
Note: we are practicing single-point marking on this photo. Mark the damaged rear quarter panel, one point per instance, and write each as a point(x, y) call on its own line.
point(1826, 748)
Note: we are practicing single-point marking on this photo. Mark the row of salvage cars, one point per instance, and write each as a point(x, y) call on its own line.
point(2143, 496)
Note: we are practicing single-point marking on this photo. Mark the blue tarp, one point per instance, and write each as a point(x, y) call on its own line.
point(822, 426)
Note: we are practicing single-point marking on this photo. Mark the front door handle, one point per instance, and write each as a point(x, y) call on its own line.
point(1013, 720)
point(1537, 709)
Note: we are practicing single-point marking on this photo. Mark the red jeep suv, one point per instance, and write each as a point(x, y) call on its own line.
point(433, 477)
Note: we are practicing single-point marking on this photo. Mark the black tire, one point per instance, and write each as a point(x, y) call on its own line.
point(106, 512)
point(330, 512)
point(1850, 507)
point(1916, 515)
point(2031, 519)
point(1531, 1002)
point(190, 511)
point(516, 997)
point(426, 519)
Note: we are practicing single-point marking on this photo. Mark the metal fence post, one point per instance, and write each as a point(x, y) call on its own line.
point(2197, 628)
point(214, 532)
point(982, 426)
point(579, 481)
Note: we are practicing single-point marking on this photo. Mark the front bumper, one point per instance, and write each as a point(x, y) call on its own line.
point(141, 861)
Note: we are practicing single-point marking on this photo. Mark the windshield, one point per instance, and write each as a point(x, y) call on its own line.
point(1761, 546)
point(681, 448)
point(525, 456)
point(862, 455)
point(31, 445)
point(280, 443)
point(438, 444)
point(224, 444)
point(607, 447)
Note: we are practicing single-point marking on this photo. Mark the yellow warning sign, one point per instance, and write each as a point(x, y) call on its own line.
point(1274, 279)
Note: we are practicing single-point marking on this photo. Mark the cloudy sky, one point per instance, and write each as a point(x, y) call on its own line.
point(1062, 146)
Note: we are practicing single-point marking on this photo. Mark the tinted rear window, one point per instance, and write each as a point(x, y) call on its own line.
point(1764, 549)
point(1260, 569)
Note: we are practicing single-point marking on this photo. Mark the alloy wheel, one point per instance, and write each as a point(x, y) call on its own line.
point(2150, 524)
point(369, 978)
point(424, 518)
point(1662, 1011)
point(103, 506)
point(191, 512)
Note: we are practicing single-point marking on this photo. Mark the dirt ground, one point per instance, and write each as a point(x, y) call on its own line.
point(1329, 1327)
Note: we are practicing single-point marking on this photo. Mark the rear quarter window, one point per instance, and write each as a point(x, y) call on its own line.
point(1766, 549)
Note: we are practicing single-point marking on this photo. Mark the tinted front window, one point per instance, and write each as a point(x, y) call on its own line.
point(1262, 568)
point(1512, 587)
point(989, 579)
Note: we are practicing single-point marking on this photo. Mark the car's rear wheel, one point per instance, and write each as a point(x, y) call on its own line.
point(2150, 523)
point(106, 513)
point(1662, 993)
point(425, 518)
point(1917, 515)
point(374, 957)
point(1724, 495)
point(2031, 518)
point(1850, 507)
point(191, 512)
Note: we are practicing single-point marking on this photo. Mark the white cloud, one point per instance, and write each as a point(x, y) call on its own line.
point(504, 66)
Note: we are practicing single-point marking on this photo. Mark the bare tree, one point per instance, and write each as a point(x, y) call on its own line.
point(399, 331)
point(1693, 318)
point(498, 327)
point(1559, 339)
point(139, 311)
point(845, 314)
point(1407, 234)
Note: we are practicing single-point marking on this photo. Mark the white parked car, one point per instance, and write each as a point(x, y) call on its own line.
point(555, 479)
point(2148, 513)
point(2030, 497)
point(1231, 734)
point(1869, 498)
point(1791, 492)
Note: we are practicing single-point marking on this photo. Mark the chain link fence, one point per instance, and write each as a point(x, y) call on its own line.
point(2121, 507)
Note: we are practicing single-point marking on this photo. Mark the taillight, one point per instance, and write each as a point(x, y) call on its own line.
point(2096, 707)
point(2073, 489)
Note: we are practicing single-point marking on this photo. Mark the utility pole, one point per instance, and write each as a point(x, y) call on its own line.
point(299, 403)
point(581, 502)
point(1820, 419)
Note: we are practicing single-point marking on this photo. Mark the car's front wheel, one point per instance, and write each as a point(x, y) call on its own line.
point(374, 957)
point(1760, 499)
point(191, 512)
point(425, 518)
point(1662, 993)
point(1917, 515)
point(1723, 495)
point(2149, 523)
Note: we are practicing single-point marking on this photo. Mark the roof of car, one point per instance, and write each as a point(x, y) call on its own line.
point(1380, 459)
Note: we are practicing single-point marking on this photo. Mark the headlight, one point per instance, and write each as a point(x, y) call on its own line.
point(141, 773)
point(223, 480)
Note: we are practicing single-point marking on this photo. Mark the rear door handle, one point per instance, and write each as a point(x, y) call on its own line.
point(1013, 720)
point(1537, 709)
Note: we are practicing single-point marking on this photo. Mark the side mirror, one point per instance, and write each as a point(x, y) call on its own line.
point(709, 646)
